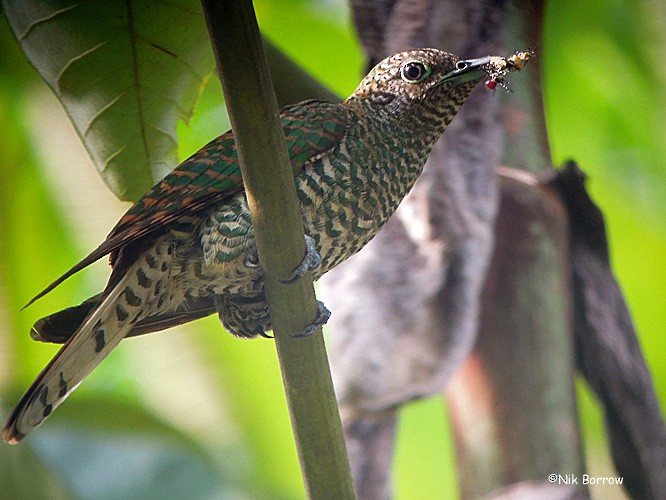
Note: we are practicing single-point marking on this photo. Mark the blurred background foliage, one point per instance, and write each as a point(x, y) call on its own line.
point(193, 412)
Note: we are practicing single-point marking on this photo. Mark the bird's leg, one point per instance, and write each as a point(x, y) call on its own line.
point(322, 317)
point(310, 261)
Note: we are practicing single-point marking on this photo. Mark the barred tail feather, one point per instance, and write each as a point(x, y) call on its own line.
point(60, 326)
point(97, 336)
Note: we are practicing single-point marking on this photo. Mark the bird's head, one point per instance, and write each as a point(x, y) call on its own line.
point(421, 75)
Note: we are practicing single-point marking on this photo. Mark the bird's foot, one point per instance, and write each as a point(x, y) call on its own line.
point(322, 317)
point(310, 261)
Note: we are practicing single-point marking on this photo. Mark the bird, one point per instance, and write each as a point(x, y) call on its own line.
point(186, 249)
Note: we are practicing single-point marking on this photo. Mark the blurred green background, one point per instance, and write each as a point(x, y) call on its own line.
point(195, 413)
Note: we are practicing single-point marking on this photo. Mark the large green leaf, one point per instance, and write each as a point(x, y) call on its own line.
point(124, 71)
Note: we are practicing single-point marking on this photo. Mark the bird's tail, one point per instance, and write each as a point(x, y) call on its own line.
point(94, 340)
point(60, 326)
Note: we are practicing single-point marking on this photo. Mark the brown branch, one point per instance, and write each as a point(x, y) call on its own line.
point(513, 404)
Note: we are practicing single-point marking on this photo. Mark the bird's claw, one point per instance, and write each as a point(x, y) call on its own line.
point(310, 261)
point(322, 317)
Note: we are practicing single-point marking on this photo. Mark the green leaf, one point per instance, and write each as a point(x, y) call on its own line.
point(124, 71)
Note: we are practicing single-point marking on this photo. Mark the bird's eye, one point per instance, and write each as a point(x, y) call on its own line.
point(461, 65)
point(415, 72)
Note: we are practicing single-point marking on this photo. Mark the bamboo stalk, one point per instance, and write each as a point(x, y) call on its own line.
point(271, 195)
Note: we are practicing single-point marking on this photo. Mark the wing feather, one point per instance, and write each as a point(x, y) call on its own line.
point(212, 174)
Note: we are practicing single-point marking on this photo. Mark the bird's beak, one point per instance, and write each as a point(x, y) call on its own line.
point(467, 70)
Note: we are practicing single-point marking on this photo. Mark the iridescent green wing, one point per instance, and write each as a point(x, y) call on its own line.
point(213, 174)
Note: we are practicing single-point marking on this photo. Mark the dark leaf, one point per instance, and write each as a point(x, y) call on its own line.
point(126, 72)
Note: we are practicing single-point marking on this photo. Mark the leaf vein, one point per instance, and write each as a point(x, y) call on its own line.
point(173, 100)
point(131, 28)
point(100, 111)
point(175, 56)
point(165, 133)
point(44, 19)
point(111, 73)
point(73, 60)
point(112, 156)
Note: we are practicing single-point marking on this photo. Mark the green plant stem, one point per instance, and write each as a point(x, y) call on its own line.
point(271, 195)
